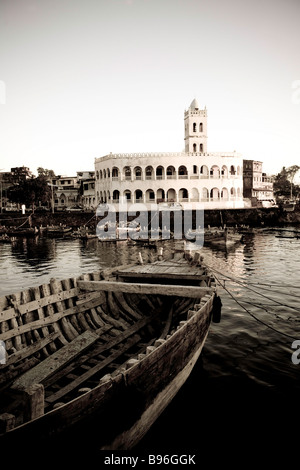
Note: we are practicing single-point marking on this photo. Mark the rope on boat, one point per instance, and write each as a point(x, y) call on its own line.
point(251, 314)
point(255, 291)
point(27, 219)
point(89, 220)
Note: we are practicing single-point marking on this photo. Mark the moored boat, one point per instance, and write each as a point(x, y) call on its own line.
point(58, 231)
point(222, 238)
point(22, 232)
point(114, 346)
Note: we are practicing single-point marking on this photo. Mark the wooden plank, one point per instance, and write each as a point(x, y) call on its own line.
point(50, 316)
point(162, 265)
point(33, 399)
point(69, 331)
point(51, 319)
point(47, 300)
point(32, 349)
point(33, 335)
point(167, 275)
point(144, 288)
point(8, 314)
point(40, 312)
point(56, 361)
point(89, 373)
point(96, 352)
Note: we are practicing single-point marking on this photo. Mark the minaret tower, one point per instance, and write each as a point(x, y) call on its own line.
point(195, 129)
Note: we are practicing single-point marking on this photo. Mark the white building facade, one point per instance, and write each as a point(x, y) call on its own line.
point(215, 180)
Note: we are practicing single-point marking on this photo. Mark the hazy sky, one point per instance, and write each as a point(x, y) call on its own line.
point(82, 78)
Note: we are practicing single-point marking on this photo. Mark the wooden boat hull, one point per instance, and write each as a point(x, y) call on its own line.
point(222, 238)
point(120, 407)
point(22, 232)
point(58, 232)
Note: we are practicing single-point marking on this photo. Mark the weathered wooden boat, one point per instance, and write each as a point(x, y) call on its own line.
point(54, 231)
point(108, 349)
point(222, 238)
point(22, 231)
point(84, 233)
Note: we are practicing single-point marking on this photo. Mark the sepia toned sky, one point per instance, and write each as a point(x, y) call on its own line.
point(82, 78)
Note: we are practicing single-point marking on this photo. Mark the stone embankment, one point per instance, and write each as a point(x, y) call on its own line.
point(254, 217)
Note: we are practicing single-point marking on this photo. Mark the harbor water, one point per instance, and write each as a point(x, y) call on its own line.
point(243, 394)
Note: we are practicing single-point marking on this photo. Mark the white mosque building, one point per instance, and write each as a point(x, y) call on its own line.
point(193, 178)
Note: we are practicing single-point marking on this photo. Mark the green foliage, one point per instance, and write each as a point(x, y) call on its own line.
point(284, 182)
point(44, 172)
point(31, 192)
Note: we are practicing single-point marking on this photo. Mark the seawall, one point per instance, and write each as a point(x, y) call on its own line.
point(254, 217)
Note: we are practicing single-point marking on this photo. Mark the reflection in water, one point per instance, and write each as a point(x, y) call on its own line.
point(30, 262)
point(242, 354)
point(34, 251)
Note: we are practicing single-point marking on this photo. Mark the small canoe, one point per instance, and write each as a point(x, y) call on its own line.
point(58, 231)
point(22, 232)
point(222, 238)
point(105, 351)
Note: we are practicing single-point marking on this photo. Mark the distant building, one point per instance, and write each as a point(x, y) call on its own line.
point(258, 187)
point(20, 173)
point(65, 191)
point(77, 190)
point(8, 179)
point(194, 176)
point(87, 189)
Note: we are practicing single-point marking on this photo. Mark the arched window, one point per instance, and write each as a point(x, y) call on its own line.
point(138, 195)
point(214, 193)
point(183, 195)
point(194, 127)
point(182, 172)
point(224, 171)
point(224, 194)
point(201, 127)
point(204, 196)
point(127, 173)
point(194, 148)
point(115, 173)
point(171, 173)
point(215, 171)
point(159, 172)
point(150, 195)
point(201, 148)
point(194, 195)
point(160, 195)
point(127, 195)
point(138, 173)
point(116, 195)
point(204, 171)
point(171, 195)
point(149, 173)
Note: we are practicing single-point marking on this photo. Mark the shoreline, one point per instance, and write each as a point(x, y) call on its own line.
point(252, 217)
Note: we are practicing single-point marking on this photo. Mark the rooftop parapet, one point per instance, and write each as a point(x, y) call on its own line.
point(150, 155)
